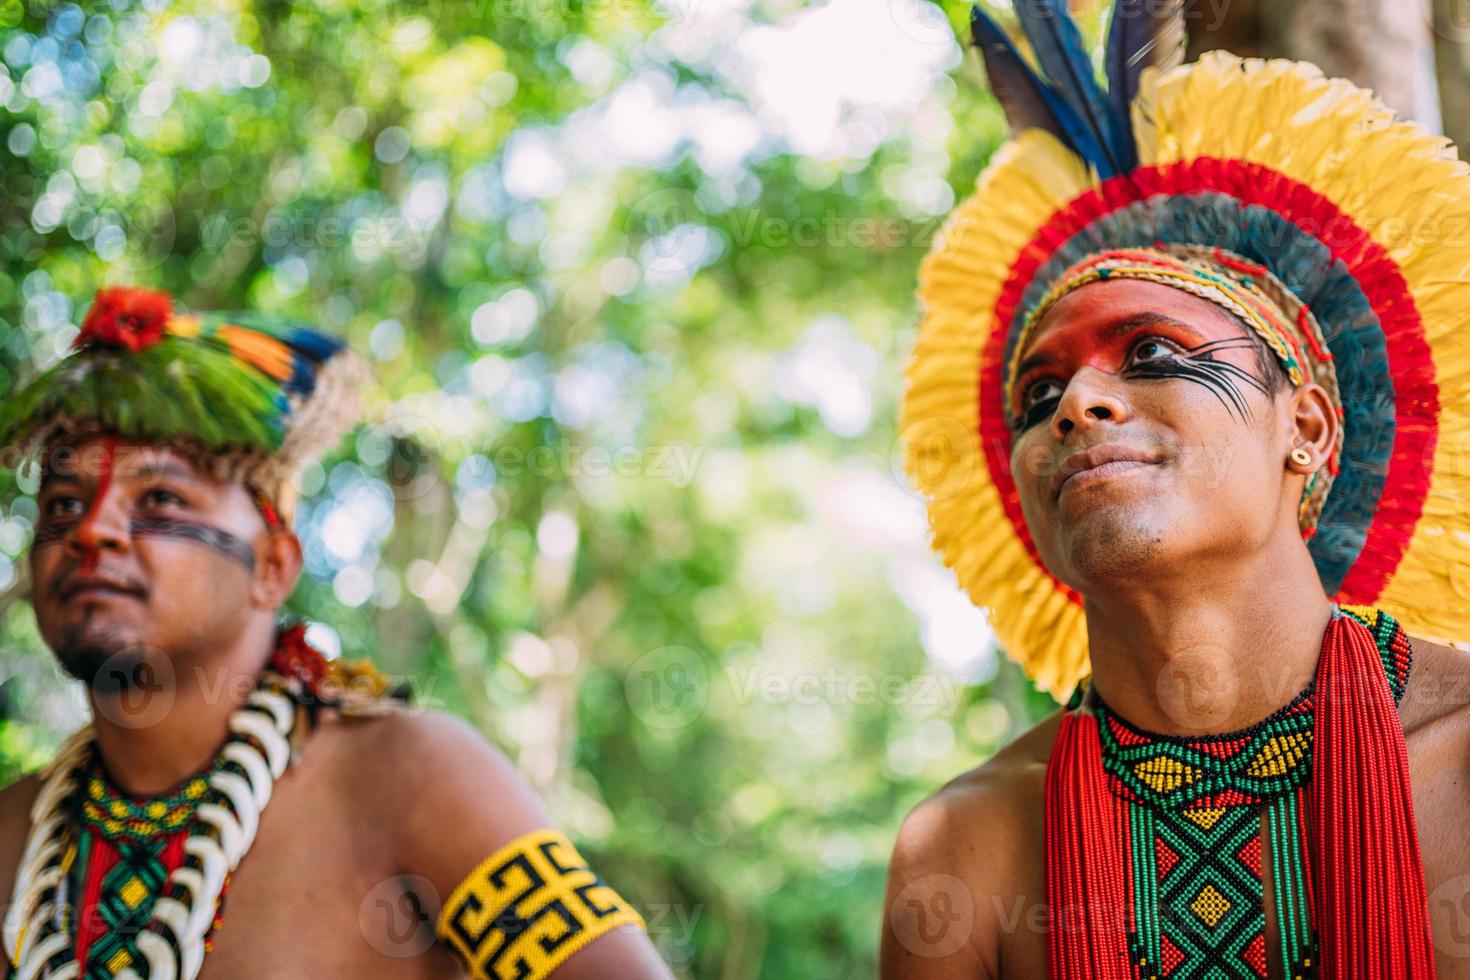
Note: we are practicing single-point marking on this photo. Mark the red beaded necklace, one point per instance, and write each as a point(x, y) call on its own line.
point(1350, 894)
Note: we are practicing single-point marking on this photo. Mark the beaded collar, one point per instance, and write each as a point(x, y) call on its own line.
point(1250, 767)
point(1202, 774)
point(119, 817)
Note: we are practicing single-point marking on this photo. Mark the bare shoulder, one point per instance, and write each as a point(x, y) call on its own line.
point(977, 836)
point(1004, 791)
point(441, 797)
point(418, 767)
point(414, 744)
point(15, 823)
point(1438, 696)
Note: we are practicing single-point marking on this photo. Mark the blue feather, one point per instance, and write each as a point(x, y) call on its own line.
point(1142, 34)
point(304, 340)
point(1028, 101)
point(282, 412)
point(303, 376)
point(1065, 61)
point(315, 345)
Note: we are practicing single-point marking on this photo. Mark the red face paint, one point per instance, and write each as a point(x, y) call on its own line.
point(1098, 330)
point(90, 552)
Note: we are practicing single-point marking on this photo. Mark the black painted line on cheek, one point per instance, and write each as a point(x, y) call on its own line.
point(1221, 387)
point(1036, 414)
point(52, 531)
point(1198, 365)
point(220, 541)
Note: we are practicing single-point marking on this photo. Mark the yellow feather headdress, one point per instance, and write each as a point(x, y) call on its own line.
point(1364, 217)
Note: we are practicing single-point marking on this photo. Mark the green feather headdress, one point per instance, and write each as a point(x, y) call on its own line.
point(249, 398)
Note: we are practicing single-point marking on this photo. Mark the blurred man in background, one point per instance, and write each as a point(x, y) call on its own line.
point(227, 757)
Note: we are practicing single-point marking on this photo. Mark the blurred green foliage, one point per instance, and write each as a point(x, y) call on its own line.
point(637, 281)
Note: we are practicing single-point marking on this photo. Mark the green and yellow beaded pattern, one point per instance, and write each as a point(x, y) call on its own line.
point(120, 818)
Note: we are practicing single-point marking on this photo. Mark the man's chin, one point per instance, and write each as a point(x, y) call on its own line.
point(1112, 538)
point(102, 656)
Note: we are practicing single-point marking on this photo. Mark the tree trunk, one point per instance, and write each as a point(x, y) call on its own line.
point(1452, 62)
point(1385, 45)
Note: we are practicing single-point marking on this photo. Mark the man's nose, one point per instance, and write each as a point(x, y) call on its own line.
point(104, 527)
point(1091, 396)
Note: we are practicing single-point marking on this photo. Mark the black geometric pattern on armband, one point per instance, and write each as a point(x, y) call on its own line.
point(527, 908)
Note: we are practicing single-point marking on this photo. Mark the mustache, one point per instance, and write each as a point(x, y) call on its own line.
point(90, 579)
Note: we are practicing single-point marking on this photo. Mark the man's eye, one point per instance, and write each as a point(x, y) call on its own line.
point(63, 506)
point(1152, 350)
point(159, 497)
point(1038, 401)
point(1042, 391)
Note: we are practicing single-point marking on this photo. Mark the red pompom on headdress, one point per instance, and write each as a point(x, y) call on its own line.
point(126, 318)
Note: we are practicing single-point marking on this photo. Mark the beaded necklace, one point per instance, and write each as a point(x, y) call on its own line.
point(1195, 812)
point(111, 886)
point(1189, 816)
point(148, 892)
point(110, 812)
point(124, 850)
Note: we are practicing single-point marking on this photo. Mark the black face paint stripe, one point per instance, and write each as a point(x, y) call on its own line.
point(1237, 342)
point(1037, 412)
point(1218, 385)
point(221, 541)
point(1198, 364)
point(51, 532)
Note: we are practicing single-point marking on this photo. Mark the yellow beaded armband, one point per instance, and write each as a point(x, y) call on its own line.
point(528, 907)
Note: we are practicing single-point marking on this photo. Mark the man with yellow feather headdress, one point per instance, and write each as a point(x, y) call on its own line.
point(1190, 402)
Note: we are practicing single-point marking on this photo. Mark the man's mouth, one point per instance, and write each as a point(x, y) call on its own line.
point(1098, 463)
point(94, 587)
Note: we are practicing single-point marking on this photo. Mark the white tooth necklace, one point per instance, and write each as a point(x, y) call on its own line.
point(39, 934)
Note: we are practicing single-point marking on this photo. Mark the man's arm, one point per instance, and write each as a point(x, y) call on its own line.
point(467, 821)
point(967, 862)
point(936, 923)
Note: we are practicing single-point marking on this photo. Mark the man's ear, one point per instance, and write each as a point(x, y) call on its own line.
point(277, 569)
point(1312, 426)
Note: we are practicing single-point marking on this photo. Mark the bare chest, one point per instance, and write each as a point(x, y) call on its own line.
point(316, 896)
